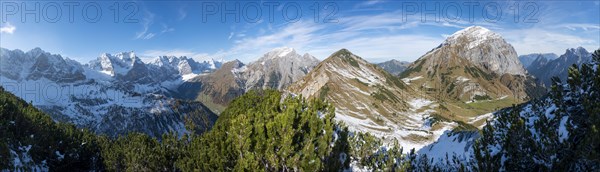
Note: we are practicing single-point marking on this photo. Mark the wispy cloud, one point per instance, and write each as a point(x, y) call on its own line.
point(545, 40)
point(166, 29)
point(576, 26)
point(148, 36)
point(368, 3)
point(182, 13)
point(230, 35)
point(8, 28)
point(297, 35)
point(387, 35)
point(146, 22)
point(554, 32)
point(371, 36)
point(149, 30)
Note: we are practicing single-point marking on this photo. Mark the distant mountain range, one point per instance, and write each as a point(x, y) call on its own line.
point(117, 94)
point(113, 94)
point(544, 69)
point(527, 59)
point(394, 66)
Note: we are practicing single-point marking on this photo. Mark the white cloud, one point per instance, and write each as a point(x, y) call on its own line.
point(402, 47)
point(166, 29)
point(544, 40)
point(371, 36)
point(230, 35)
point(369, 3)
point(148, 36)
point(8, 28)
point(387, 35)
point(382, 36)
point(554, 32)
point(297, 35)
point(182, 13)
point(373, 2)
point(576, 26)
point(146, 22)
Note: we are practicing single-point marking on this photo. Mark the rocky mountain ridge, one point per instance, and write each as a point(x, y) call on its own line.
point(276, 69)
point(369, 99)
point(528, 59)
point(544, 69)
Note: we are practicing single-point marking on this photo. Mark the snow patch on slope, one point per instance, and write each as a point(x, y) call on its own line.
point(408, 80)
point(363, 74)
point(450, 144)
point(486, 117)
point(416, 124)
point(419, 103)
point(462, 79)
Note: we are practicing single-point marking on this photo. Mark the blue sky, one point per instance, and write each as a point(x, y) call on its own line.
point(377, 30)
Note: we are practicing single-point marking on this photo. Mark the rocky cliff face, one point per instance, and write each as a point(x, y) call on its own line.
point(528, 59)
point(486, 49)
point(181, 66)
point(537, 65)
point(544, 69)
point(37, 64)
point(278, 69)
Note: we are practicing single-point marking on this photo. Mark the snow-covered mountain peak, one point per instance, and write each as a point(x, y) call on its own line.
point(126, 56)
point(236, 62)
point(119, 63)
point(474, 34)
point(281, 52)
point(284, 56)
point(39, 54)
point(35, 52)
point(281, 67)
point(213, 64)
point(102, 63)
point(167, 60)
point(122, 58)
point(475, 31)
point(482, 47)
point(182, 65)
point(37, 64)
